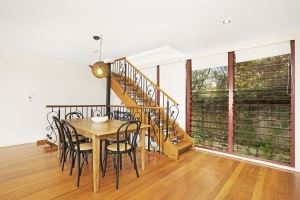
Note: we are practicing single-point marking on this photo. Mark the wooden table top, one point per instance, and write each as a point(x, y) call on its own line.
point(88, 128)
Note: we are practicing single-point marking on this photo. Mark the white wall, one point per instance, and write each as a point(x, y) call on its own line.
point(150, 72)
point(156, 56)
point(172, 81)
point(48, 82)
point(114, 99)
point(173, 70)
point(210, 61)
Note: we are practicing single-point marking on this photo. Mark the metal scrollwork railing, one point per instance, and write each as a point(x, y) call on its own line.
point(51, 135)
point(122, 113)
point(174, 112)
point(155, 129)
point(146, 93)
point(138, 79)
point(151, 93)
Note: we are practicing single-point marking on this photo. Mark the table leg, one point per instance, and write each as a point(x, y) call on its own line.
point(96, 153)
point(143, 148)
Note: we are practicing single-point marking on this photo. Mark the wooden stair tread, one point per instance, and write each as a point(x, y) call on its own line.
point(183, 145)
point(177, 136)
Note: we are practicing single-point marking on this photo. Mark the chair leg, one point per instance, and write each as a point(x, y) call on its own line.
point(134, 163)
point(117, 170)
point(105, 164)
point(83, 159)
point(78, 168)
point(69, 152)
point(61, 154)
point(129, 153)
point(114, 160)
point(72, 162)
point(63, 157)
point(120, 161)
point(84, 156)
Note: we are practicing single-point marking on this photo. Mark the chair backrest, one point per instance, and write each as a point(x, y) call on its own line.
point(68, 130)
point(125, 130)
point(110, 115)
point(102, 113)
point(122, 115)
point(60, 130)
point(75, 114)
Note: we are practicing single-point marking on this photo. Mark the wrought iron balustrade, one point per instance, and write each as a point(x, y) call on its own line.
point(147, 115)
point(146, 93)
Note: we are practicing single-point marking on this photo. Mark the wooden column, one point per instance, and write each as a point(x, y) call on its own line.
point(231, 60)
point(108, 88)
point(188, 99)
point(292, 44)
point(158, 84)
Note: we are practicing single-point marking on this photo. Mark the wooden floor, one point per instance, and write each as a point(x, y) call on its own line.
point(28, 173)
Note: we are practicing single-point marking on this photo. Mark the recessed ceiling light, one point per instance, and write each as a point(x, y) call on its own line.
point(226, 21)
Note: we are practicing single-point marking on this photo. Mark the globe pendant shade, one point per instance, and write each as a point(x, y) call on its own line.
point(99, 69)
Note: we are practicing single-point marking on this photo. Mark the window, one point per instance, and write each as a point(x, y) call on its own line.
point(210, 107)
point(262, 108)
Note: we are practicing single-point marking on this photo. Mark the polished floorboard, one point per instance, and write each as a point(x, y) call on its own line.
point(28, 173)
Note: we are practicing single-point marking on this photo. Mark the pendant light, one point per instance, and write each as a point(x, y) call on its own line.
point(99, 68)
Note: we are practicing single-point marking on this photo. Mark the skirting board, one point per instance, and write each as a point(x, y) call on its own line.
point(282, 167)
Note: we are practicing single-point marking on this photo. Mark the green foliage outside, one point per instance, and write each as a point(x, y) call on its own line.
point(261, 108)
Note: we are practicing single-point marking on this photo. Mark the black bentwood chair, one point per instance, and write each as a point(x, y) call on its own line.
point(77, 149)
point(109, 141)
point(77, 115)
point(74, 114)
point(121, 146)
point(62, 141)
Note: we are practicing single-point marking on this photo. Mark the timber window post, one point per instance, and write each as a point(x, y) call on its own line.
point(231, 61)
point(188, 102)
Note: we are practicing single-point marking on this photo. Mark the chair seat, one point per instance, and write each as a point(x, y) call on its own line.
point(113, 147)
point(85, 146)
point(80, 138)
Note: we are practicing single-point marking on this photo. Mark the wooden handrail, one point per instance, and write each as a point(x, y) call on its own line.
point(122, 58)
point(138, 107)
point(158, 88)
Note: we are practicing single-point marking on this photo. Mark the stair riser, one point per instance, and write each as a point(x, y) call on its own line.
point(185, 149)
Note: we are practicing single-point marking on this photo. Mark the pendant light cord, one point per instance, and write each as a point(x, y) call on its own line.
point(100, 51)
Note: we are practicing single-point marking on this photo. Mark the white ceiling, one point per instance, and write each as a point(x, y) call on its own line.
point(63, 29)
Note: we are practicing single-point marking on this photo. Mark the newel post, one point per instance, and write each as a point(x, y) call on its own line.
point(108, 87)
point(158, 84)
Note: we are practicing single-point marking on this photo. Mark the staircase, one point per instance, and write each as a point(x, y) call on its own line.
point(135, 89)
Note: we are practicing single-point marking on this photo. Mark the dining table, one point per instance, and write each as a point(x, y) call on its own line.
point(100, 131)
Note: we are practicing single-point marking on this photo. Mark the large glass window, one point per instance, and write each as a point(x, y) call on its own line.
point(262, 108)
point(210, 107)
